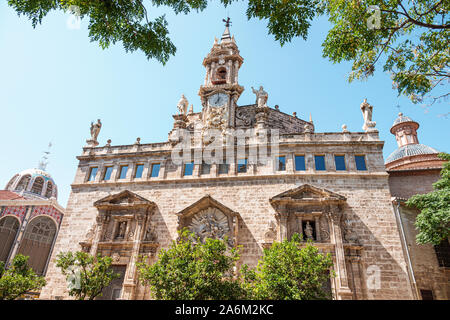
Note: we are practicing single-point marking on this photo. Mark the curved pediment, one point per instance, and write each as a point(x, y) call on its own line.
point(123, 199)
point(307, 194)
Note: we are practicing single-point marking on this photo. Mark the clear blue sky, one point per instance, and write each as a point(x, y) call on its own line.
point(54, 82)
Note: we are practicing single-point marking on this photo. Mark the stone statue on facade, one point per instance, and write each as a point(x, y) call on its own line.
point(183, 105)
point(95, 130)
point(367, 110)
point(309, 231)
point(261, 97)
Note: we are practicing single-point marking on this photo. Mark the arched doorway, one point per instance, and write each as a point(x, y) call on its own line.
point(8, 230)
point(37, 242)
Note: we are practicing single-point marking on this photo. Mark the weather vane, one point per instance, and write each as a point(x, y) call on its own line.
point(44, 161)
point(227, 22)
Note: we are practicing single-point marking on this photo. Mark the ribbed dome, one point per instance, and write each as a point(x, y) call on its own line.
point(410, 150)
point(33, 183)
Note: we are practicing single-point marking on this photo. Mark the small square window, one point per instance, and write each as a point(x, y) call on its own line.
point(320, 163)
point(340, 163)
point(155, 170)
point(139, 171)
point(300, 163)
point(223, 168)
point(360, 163)
point(93, 174)
point(108, 172)
point(281, 163)
point(123, 172)
point(242, 166)
point(206, 168)
point(188, 169)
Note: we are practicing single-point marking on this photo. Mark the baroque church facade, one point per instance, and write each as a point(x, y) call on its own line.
point(130, 200)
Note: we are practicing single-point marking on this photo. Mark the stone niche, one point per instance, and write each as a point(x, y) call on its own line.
point(208, 218)
point(123, 231)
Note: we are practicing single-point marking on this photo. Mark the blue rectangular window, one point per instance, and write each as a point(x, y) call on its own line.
point(340, 163)
point(281, 163)
point(300, 163)
point(320, 163)
point(123, 172)
point(242, 166)
point(139, 171)
point(93, 174)
point(155, 170)
point(360, 163)
point(108, 172)
point(188, 169)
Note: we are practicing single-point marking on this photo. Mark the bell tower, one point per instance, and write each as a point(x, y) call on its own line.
point(221, 90)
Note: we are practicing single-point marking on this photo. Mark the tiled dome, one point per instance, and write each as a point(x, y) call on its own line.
point(410, 150)
point(34, 183)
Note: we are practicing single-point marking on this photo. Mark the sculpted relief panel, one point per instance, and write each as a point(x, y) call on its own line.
point(210, 223)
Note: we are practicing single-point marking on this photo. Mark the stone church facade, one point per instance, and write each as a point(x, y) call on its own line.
point(333, 188)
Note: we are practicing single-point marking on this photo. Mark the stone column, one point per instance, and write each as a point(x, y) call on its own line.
point(283, 214)
point(343, 290)
point(101, 219)
point(20, 234)
point(317, 220)
point(129, 283)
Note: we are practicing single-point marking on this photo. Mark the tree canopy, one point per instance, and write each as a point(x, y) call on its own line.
point(433, 222)
point(191, 270)
point(287, 272)
point(18, 279)
point(411, 36)
point(86, 275)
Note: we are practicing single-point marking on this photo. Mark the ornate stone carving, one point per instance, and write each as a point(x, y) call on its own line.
point(271, 233)
point(245, 118)
point(150, 234)
point(115, 257)
point(210, 223)
point(324, 231)
point(349, 234)
point(95, 130)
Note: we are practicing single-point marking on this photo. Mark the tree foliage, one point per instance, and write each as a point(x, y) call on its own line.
point(18, 279)
point(286, 272)
point(412, 36)
point(433, 222)
point(86, 275)
point(192, 270)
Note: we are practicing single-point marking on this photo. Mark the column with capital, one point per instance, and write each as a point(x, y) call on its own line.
point(130, 281)
point(343, 290)
point(102, 219)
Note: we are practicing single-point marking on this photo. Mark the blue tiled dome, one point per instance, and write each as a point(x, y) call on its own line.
point(410, 150)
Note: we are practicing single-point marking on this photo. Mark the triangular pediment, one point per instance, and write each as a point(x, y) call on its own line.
point(204, 203)
point(308, 193)
point(123, 199)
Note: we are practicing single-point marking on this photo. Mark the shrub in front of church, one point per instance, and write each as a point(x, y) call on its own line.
point(433, 222)
point(192, 270)
point(18, 279)
point(86, 275)
point(286, 272)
